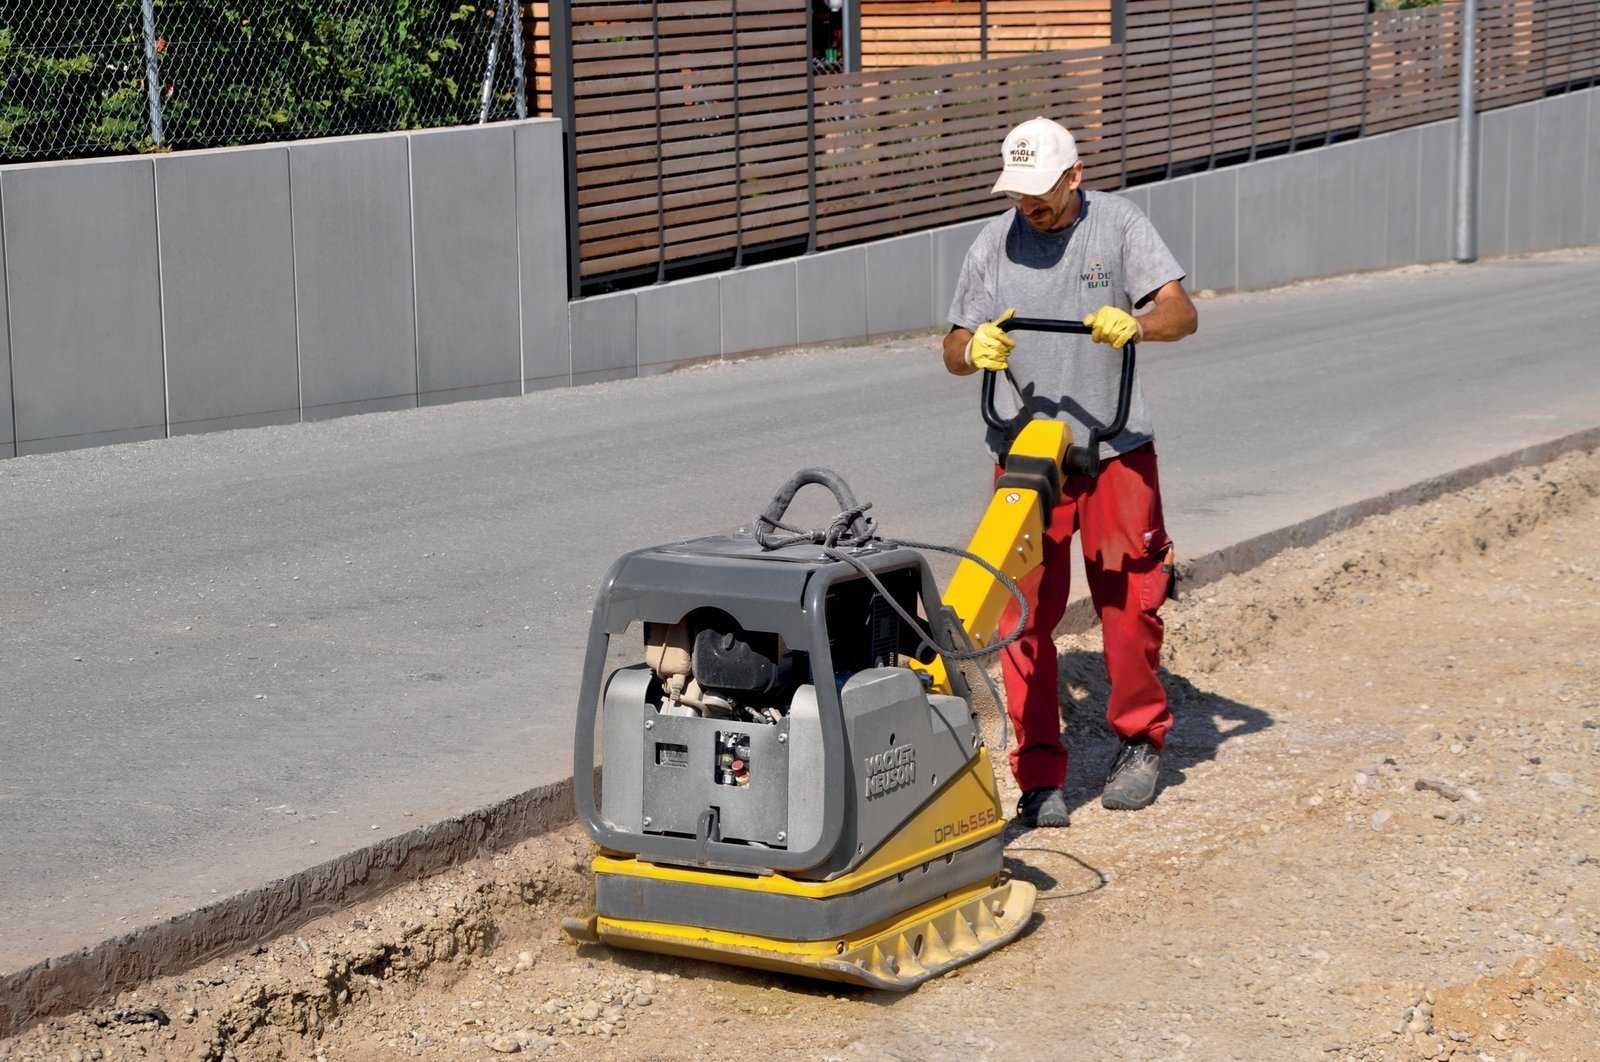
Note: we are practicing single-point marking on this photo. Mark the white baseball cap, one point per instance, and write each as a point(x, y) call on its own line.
point(1036, 154)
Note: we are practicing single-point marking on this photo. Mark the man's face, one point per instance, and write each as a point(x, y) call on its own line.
point(1049, 211)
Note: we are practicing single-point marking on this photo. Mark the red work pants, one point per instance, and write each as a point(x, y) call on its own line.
point(1128, 558)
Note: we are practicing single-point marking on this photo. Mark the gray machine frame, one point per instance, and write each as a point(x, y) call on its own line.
point(784, 591)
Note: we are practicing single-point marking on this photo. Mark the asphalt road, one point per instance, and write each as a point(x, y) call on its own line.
point(228, 657)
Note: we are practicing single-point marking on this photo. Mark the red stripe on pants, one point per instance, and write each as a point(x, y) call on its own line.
point(1126, 552)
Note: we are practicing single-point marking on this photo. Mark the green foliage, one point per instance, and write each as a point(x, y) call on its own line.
point(69, 79)
point(72, 76)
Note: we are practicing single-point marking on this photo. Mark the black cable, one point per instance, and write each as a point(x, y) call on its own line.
point(852, 529)
point(994, 694)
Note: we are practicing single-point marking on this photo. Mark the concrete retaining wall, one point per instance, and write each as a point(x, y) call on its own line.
point(144, 297)
point(1373, 203)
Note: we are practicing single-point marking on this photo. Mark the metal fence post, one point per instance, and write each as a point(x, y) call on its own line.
point(738, 154)
point(661, 195)
point(519, 64)
point(563, 88)
point(1255, 72)
point(1366, 70)
point(152, 75)
point(811, 134)
point(1466, 137)
point(493, 61)
point(1172, 78)
point(852, 35)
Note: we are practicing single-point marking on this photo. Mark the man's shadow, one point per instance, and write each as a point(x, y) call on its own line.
point(1202, 722)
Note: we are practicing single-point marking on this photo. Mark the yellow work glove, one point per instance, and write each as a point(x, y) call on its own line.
point(989, 346)
point(1113, 326)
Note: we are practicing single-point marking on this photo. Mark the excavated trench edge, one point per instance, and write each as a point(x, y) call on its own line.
point(76, 980)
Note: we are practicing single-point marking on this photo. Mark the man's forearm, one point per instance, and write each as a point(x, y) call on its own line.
point(955, 352)
point(1172, 316)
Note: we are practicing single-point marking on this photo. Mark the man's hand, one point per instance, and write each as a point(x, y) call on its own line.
point(990, 347)
point(1113, 326)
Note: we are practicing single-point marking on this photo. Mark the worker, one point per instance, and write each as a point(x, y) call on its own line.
point(1065, 252)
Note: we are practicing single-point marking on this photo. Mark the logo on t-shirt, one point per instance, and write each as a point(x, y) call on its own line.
point(1021, 154)
point(1096, 277)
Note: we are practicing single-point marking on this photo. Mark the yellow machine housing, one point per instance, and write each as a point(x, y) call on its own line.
point(791, 780)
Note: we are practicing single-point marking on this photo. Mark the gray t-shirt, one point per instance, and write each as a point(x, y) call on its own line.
point(1112, 254)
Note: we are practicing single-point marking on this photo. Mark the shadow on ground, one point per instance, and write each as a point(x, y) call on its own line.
point(1203, 722)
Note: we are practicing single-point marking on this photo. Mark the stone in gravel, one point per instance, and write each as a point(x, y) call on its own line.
point(641, 999)
point(504, 1045)
point(1444, 789)
point(1500, 1031)
point(1457, 1035)
point(524, 961)
point(590, 1011)
point(613, 1014)
point(1380, 819)
point(1560, 779)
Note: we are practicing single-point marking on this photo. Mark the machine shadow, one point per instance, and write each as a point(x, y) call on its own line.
point(1202, 722)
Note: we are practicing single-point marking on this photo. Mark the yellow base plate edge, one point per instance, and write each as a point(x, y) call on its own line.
point(921, 944)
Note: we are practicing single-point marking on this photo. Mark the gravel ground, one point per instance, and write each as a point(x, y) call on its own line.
point(1377, 839)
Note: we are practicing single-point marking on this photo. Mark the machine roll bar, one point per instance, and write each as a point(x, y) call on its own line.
point(1081, 460)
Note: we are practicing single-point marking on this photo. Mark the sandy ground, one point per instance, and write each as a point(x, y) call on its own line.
point(1377, 839)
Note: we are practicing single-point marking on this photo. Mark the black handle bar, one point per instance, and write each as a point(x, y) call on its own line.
point(1082, 460)
point(860, 528)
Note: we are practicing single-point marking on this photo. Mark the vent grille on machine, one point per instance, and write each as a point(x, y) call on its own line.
point(883, 632)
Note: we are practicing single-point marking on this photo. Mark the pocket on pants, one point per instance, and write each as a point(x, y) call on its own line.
point(1156, 577)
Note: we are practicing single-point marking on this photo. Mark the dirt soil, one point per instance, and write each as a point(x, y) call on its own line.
point(1377, 839)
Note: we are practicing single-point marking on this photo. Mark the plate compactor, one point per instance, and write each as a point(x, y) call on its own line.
point(793, 776)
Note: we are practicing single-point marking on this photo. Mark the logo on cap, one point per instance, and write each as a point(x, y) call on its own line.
point(1022, 154)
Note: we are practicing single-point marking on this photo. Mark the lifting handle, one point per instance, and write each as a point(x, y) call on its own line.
point(859, 527)
point(1081, 460)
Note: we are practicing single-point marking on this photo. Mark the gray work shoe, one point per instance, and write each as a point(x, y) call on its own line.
point(1043, 807)
point(1131, 785)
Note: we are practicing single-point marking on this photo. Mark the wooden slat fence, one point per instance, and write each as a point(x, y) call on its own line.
point(536, 49)
point(702, 133)
point(689, 127)
point(904, 149)
point(896, 33)
point(1412, 67)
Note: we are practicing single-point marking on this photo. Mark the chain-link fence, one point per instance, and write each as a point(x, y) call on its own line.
point(98, 77)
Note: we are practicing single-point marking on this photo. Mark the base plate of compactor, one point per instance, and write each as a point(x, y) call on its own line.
point(895, 955)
